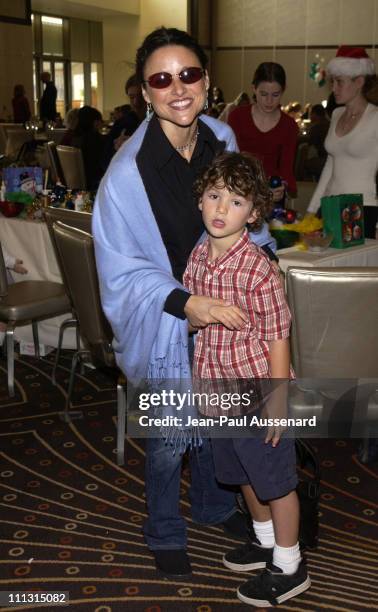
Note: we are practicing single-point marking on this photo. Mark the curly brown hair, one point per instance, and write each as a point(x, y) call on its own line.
point(242, 174)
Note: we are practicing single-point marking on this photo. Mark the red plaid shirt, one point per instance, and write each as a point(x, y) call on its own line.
point(245, 277)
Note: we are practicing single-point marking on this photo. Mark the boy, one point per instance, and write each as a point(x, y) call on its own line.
point(233, 192)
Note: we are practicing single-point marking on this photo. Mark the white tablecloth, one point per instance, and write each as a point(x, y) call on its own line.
point(30, 241)
point(363, 255)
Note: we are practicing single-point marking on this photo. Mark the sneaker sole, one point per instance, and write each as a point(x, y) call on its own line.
point(262, 603)
point(239, 567)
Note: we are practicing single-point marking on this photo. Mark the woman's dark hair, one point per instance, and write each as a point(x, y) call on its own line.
point(132, 81)
point(242, 174)
point(270, 72)
point(86, 118)
point(18, 91)
point(162, 37)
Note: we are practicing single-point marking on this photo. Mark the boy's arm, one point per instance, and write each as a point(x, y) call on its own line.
point(201, 310)
point(279, 352)
point(276, 406)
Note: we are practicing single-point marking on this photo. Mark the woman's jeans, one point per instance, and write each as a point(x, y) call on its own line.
point(210, 502)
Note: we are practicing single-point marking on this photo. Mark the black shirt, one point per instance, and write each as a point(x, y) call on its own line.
point(168, 179)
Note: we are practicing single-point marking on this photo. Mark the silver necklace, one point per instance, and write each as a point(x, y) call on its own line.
point(188, 144)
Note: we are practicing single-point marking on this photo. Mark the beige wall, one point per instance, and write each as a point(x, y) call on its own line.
point(121, 38)
point(154, 13)
point(16, 64)
point(123, 35)
point(274, 23)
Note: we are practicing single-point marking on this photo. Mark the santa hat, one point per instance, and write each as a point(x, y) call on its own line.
point(351, 62)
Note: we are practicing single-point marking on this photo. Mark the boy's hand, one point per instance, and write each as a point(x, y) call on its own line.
point(276, 404)
point(274, 432)
point(19, 268)
point(198, 311)
point(230, 316)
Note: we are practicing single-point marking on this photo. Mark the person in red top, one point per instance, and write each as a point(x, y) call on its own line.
point(233, 192)
point(266, 132)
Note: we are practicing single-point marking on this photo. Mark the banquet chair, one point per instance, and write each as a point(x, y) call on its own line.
point(24, 302)
point(54, 163)
point(71, 161)
point(78, 259)
point(334, 342)
point(4, 128)
point(81, 220)
point(16, 138)
point(56, 135)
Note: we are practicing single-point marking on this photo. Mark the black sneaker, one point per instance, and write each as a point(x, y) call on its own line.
point(251, 556)
point(172, 563)
point(273, 587)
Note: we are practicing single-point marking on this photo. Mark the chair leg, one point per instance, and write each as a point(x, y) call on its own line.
point(62, 329)
point(10, 359)
point(364, 454)
point(68, 414)
point(121, 423)
point(35, 338)
point(77, 336)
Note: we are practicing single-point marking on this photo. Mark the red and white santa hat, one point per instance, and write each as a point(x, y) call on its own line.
point(351, 62)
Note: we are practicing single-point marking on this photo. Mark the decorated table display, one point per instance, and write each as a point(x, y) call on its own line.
point(25, 236)
point(30, 206)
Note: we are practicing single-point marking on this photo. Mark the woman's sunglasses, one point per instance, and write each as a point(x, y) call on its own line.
point(161, 80)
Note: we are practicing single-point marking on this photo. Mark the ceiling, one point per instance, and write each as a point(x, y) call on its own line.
point(86, 9)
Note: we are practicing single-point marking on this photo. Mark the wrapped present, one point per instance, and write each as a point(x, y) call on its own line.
point(343, 216)
point(27, 179)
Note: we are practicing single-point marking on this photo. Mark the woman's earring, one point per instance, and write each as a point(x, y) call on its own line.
point(206, 103)
point(149, 111)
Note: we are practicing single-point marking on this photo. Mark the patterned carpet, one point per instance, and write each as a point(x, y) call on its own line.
point(71, 518)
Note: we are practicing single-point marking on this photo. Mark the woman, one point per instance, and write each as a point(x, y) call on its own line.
point(352, 140)
point(20, 103)
point(86, 136)
point(265, 131)
point(145, 223)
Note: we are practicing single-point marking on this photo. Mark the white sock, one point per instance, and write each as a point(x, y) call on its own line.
point(264, 533)
point(287, 558)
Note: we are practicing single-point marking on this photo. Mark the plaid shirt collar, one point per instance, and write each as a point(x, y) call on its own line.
point(240, 245)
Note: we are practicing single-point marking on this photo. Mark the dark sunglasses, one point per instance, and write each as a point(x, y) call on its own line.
point(161, 80)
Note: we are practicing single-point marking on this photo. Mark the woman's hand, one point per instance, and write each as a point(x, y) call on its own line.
point(201, 311)
point(278, 193)
point(230, 316)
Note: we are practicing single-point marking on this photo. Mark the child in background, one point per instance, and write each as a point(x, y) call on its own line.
point(11, 263)
point(233, 192)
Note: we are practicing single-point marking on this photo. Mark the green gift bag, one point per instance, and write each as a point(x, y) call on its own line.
point(343, 216)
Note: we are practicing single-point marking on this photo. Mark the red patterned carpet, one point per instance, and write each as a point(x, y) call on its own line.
point(71, 518)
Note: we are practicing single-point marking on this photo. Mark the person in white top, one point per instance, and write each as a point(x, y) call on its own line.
point(352, 139)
